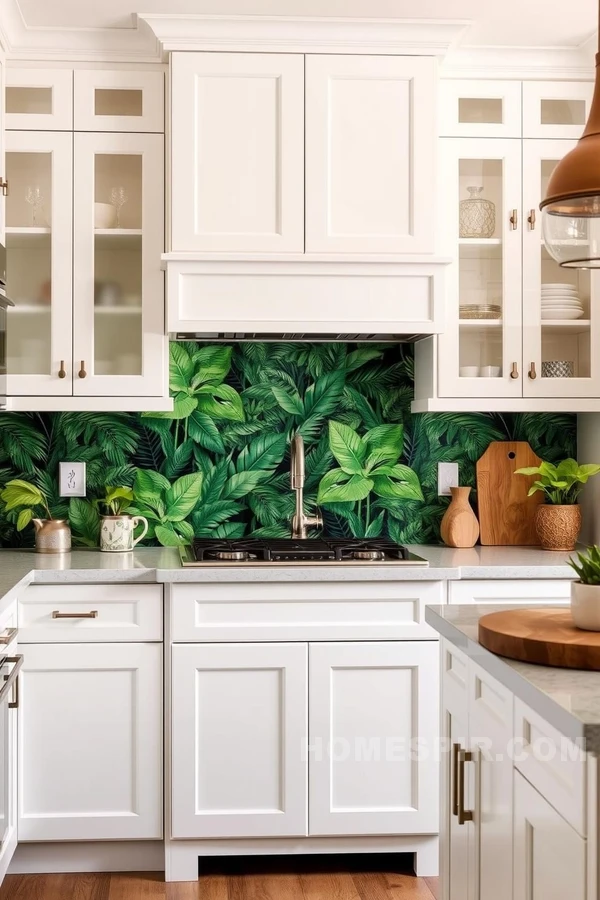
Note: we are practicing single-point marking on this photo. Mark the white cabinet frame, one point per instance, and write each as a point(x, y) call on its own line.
point(60, 82)
point(151, 85)
point(452, 91)
point(534, 92)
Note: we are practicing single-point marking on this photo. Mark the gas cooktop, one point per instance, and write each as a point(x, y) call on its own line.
point(333, 551)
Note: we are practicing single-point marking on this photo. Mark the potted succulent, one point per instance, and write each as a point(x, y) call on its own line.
point(51, 535)
point(585, 592)
point(558, 520)
point(116, 526)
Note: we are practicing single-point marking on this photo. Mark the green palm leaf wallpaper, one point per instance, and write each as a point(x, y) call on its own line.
point(371, 465)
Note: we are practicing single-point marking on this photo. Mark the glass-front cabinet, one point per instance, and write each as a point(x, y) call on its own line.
point(480, 350)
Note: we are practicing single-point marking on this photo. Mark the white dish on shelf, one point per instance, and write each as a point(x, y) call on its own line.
point(489, 372)
point(105, 215)
point(558, 296)
point(469, 371)
point(559, 286)
point(562, 313)
point(552, 304)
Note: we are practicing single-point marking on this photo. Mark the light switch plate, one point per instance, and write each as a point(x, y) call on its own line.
point(447, 478)
point(72, 479)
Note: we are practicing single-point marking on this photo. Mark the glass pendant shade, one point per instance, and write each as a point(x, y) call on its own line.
point(571, 209)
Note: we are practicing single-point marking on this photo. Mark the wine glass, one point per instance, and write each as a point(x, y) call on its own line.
point(35, 198)
point(118, 198)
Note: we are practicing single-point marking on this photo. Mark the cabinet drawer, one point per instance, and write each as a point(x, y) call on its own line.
point(546, 592)
point(93, 612)
point(301, 612)
point(552, 764)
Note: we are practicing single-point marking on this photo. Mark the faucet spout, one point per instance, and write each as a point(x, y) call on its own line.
point(300, 522)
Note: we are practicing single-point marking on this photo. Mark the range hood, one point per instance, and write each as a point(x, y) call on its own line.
point(316, 337)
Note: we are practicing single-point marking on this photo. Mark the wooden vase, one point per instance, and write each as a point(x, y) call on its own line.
point(460, 527)
point(558, 527)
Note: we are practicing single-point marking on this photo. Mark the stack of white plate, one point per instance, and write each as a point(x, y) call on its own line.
point(561, 301)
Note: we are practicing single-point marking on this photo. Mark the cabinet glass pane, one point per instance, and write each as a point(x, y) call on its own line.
point(28, 261)
point(29, 100)
point(117, 102)
point(562, 112)
point(480, 268)
point(118, 265)
point(565, 311)
point(480, 110)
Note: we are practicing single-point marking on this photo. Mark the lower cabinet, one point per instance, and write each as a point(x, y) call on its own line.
point(549, 855)
point(90, 742)
point(248, 760)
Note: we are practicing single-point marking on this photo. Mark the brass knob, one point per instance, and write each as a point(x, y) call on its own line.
point(3, 186)
point(532, 372)
point(62, 372)
point(82, 373)
point(514, 219)
point(515, 371)
point(531, 219)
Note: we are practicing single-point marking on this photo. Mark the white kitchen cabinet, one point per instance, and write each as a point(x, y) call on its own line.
point(370, 154)
point(90, 742)
point(239, 731)
point(476, 801)
point(118, 316)
point(371, 710)
point(119, 100)
point(479, 108)
point(39, 99)
point(549, 855)
point(526, 591)
point(8, 738)
point(39, 168)
point(237, 152)
point(556, 109)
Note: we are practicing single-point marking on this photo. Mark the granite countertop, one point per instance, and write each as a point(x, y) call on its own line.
point(569, 699)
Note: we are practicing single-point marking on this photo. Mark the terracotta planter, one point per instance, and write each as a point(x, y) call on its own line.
point(459, 527)
point(558, 527)
point(585, 606)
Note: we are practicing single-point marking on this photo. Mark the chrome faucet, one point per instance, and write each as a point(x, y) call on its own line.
point(300, 522)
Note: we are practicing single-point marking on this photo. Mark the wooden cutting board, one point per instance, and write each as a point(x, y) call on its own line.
point(506, 513)
point(546, 637)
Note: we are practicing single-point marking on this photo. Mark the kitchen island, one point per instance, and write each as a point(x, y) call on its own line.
point(519, 783)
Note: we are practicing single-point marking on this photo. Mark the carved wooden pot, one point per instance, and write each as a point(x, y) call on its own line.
point(558, 527)
point(460, 527)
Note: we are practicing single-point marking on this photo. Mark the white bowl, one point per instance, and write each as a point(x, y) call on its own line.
point(559, 286)
point(105, 215)
point(469, 371)
point(562, 313)
point(489, 371)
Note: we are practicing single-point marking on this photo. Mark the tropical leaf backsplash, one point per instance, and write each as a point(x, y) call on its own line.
point(371, 466)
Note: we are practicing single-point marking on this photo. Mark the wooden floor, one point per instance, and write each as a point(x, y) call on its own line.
point(294, 882)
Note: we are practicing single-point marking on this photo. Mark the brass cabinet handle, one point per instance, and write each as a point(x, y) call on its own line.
point(514, 219)
point(454, 778)
point(62, 372)
point(82, 373)
point(10, 635)
point(464, 815)
point(3, 187)
point(92, 614)
point(531, 219)
point(11, 682)
point(514, 371)
point(532, 372)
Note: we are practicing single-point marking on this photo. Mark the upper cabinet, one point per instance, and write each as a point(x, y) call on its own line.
point(237, 152)
point(39, 99)
point(370, 154)
point(243, 123)
point(556, 109)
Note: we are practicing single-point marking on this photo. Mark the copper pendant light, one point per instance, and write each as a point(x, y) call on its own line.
point(571, 210)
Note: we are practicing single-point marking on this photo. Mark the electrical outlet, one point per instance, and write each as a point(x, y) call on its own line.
point(72, 479)
point(447, 478)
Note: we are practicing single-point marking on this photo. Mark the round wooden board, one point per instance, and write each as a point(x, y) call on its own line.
point(546, 637)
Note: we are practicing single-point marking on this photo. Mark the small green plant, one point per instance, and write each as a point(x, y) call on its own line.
point(115, 501)
point(22, 493)
point(561, 484)
point(588, 568)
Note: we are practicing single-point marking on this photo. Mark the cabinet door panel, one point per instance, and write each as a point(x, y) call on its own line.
point(39, 99)
point(556, 109)
point(118, 333)
point(237, 152)
point(239, 732)
point(549, 856)
point(90, 742)
point(39, 168)
point(370, 703)
point(118, 101)
point(370, 138)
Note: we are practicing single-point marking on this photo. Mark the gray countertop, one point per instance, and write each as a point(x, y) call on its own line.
point(569, 699)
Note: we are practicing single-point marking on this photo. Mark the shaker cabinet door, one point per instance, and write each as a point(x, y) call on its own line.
point(237, 152)
point(370, 139)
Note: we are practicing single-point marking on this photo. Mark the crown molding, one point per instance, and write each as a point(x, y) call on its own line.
point(520, 63)
point(281, 34)
point(134, 44)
